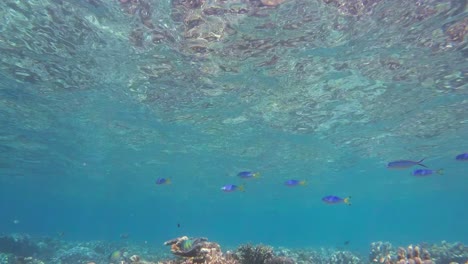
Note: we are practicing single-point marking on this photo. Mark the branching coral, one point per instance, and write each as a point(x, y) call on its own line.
point(249, 254)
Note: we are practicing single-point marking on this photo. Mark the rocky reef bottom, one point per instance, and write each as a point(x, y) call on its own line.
point(23, 249)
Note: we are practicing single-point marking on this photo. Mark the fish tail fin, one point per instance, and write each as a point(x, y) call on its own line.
point(256, 175)
point(420, 163)
point(241, 188)
point(168, 181)
point(347, 200)
point(303, 183)
point(440, 171)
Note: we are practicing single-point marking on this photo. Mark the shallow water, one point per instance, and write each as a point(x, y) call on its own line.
point(98, 99)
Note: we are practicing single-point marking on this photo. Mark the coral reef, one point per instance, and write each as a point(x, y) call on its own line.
point(448, 252)
point(6, 258)
point(22, 249)
point(185, 246)
point(280, 260)
point(322, 256)
point(249, 254)
point(383, 252)
point(200, 250)
point(76, 254)
point(380, 251)
point(266, 255)
point(28, 260)
point(197, 250)
point(18, 244)
point(12, 259)
point(412, 255)
point(344, 257)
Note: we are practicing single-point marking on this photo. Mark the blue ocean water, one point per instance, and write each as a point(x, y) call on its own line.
point(99, 99)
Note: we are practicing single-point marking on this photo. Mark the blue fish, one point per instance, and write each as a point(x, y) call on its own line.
point(291, 183)
point(332, 199)
point(403, 164)
point(427, 172)
point(163, 181)
point(248, 174)
point(462, 157)
point(232, 188)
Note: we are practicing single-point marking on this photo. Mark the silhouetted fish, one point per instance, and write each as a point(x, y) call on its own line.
point(403, 164)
